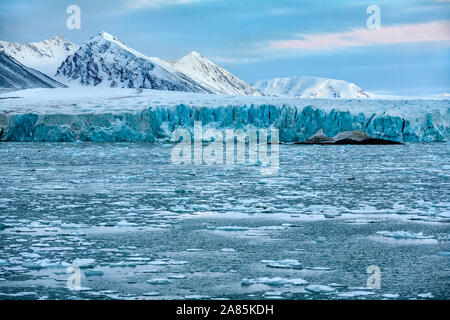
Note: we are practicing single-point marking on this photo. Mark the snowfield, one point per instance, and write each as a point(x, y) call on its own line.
point(310, 87)
point(114, 114)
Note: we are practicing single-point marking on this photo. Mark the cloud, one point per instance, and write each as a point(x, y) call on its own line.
point(407, 33)
point(139, 4)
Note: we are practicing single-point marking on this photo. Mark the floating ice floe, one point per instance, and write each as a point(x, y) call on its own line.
point(319, 288)
point(276, 282)
point(159, 281)
point(176, 276)
point(83, 263)
point(42, 264)
point(93, 272)
point(151, 294)
point(273, 294)
point(364, 221)
point(165, 262)
point(352, 294)
point(227, 250)
point(283, 264)
point(332, 215)
point(229, 228)
point(196, 297)
point(403, 235)
point(391, 295)
point(72, 226)
point(124, 223)
point(318, 268)
point(428, 295)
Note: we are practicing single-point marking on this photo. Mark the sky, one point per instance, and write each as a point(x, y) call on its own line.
point(408, 54)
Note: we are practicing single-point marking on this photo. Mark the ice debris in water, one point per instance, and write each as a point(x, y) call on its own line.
point(93, 272)
point(176, 276)
point(319, 288)
point(124, 223)
point(403, 235)
point(83, 263)
point(363, 221)
point(42, 264)
point(276, 282)
point(351, 294)
point(283, 264)
point(391, 295)
point(151, 294)
point(428, 295)
point(159, 281)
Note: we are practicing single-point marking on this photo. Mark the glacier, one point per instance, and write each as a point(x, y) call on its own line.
point(123, 115)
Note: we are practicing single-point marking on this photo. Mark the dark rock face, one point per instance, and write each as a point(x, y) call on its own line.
point(348, 137)
point(106, 60)
point(16, 76)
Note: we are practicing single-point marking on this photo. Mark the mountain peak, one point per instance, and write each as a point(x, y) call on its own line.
point(104, 36)
point(194, 55)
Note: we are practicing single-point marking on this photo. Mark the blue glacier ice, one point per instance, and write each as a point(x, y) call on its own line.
point(155, 120)
point(156, 123)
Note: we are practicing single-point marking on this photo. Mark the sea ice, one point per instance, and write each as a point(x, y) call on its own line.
point(318, 288)
point(403, 235)
point(283, 264)
point(159, 281)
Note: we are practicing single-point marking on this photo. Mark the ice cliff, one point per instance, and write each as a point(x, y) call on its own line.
point(152, 116)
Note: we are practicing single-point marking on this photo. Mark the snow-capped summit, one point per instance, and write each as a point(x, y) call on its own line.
point(210, 75)
point(45, 56)
point(105, 60)
point(310, 87)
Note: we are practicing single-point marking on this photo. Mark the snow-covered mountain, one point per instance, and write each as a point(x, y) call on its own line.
point(45, 56)
point(310, 87)
point(213, 77)
point(107, 61)
point(16, 76)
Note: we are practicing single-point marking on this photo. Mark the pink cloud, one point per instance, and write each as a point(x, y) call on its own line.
point(408, 33)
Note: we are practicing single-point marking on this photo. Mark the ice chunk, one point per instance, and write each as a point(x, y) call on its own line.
point(151, 294)
point(93, 272)
point(403, 235)
point(283, 264)
point(276, 282)
point(42, 264)
point(351, 294)
point(427, 295)
point(159, 281)
point(391, 295)
point(124, 223)
point(319, 288)
point(83, 263)
point(176, 276)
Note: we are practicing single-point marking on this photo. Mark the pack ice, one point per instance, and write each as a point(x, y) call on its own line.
point(108, 115)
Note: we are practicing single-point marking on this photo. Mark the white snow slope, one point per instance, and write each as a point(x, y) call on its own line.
point(16, 76)
point(105, 60)
point(213, 77)
point(45, 56)
point(310, 87)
